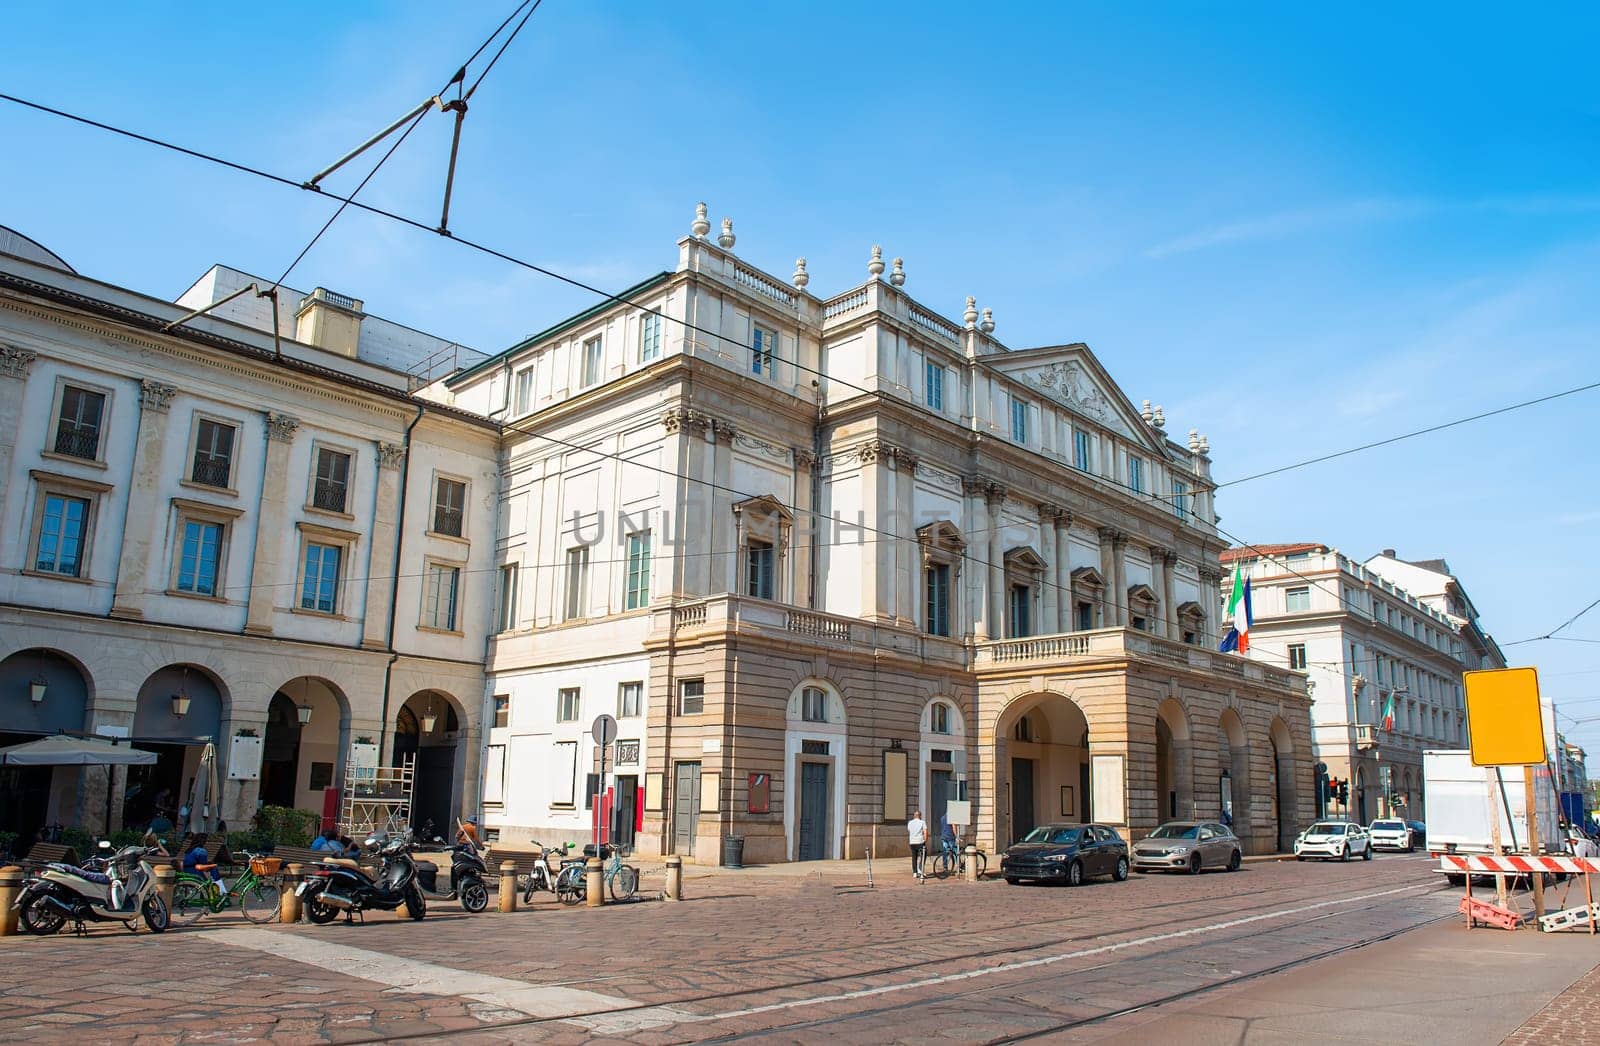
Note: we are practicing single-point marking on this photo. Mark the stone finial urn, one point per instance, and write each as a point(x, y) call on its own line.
point(987, 326)
point(970, 317)
point(701, 224)
point(898, 275)
point(875, 266)
point(726, 238)
point(801, 277)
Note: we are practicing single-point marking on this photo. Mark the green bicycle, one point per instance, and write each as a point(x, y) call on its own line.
point(256, 893)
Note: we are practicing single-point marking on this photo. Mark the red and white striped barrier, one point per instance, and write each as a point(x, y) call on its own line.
point(1518, 864)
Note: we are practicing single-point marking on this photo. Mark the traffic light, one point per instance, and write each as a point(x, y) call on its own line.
point(1344, 792)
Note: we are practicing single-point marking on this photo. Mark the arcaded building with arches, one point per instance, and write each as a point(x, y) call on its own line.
point(205, 534)
point(827, 560)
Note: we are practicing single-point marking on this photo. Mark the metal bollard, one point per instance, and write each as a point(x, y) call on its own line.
point(508, 886)
point(595, 869)
point(674, 891)
point(971, 854)
point(10, 886)
point(166, 883)
point(289, 900)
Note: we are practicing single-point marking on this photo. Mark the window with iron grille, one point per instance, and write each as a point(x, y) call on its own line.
point(813, 748)
point(449, 506)
point(213, 454)
point(78, 424)
point(332, 483)
point(941, 755)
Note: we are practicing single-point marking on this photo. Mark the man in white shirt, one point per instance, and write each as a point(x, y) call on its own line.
point(917, 831)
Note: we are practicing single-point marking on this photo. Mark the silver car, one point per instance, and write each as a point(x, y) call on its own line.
point(1188, 846)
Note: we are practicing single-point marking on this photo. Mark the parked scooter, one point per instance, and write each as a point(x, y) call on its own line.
point(547, 876)
point(124, 892)
point(336, 886)
point(466, 877)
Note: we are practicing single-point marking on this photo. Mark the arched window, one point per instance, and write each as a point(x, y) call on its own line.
point(1024, 729)
point(814, 705)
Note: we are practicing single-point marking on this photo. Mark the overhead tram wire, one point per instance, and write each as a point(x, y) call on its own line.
point(619, 300)
point(1552, 633)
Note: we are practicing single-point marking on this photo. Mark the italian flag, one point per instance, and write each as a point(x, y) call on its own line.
point(1238, 637)
point(1388, 712)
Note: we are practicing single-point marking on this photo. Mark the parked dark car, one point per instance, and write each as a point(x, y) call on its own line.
point(1066, 853)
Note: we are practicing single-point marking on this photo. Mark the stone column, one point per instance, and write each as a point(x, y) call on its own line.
point(878, 558)
point(903, 524)
point(1063, 568)
point(1051, 596)
point(1109, 614)
point(690, 503)
point(976, 574)
point(144, 525)
point(725, 553)
point(1169, 609)
point(1159, 586)
point(381, 565)
point(1210, 597)
point(806, 529)
point(996, 497)
point(14, 365)
point(270, 518)
point(1119, 563)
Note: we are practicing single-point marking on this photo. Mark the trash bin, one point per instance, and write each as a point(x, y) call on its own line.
point(733, 851)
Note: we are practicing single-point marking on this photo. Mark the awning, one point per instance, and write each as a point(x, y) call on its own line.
point(66, 750)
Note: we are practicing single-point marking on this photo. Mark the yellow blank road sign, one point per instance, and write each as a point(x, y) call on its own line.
point(1504, 724)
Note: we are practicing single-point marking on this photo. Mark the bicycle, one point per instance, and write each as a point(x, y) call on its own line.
point(256, 893)
point(621, 879)
point(952, 858)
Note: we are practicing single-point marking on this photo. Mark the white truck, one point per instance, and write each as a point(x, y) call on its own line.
point(1463, 798)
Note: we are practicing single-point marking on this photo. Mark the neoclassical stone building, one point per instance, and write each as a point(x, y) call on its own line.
point(204, 534)
point(827, 560)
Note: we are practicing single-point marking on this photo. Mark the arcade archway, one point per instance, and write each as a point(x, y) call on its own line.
point(41, 692)
point(1174, 763)
point(1041, 769)
point(179, 709)
point(307, 735)
point(427, 730)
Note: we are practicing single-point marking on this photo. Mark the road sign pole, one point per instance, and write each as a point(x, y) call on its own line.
point(1533, 839)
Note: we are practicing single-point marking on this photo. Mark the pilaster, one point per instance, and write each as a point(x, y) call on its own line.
point(802, 564)
point(996, 498)
point(1063, 569)
point(725, 553)
point(878, 562)
point(381, 565)
point(977, 573)
point(1169, 609)
point(902, 525)
point(144, 524)
point(271, 516)
point(1051, 601)
point(14, 366)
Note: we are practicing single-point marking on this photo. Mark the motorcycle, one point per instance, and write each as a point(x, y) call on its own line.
point(124, 892)
point(336, 886)
point(545, 876)
point(466, 878)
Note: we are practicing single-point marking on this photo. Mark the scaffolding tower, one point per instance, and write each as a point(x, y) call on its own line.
point(377, 798)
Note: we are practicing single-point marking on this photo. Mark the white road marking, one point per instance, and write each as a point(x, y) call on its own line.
point(1048, 960)
point(502, 997)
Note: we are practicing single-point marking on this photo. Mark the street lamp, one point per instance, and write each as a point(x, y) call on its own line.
point(36, 690)
point(428, 718)
point(302, 711)
point(180, 705)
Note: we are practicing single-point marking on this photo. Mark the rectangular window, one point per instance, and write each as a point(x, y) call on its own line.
point(1019, 609)
point(593, 360)
point(933, 385)
point(577, 582)
point(510, 583)
point(691, 696)
point(199, 556)
point(1019, 420)
point(761, 570)
point(523, 400)
point(564, 773)
point(319, 590)
point(449, 506)
point(939, 722)
point(630, 700)
point(1297, 599)
point(568, 700)
point(937, 578)
point(213, 454)
point(1085, 617)
point(763, 349)
point(61, 535)
point(502, 710)
point(813, 705)
point(1136, 474)
point(637, 594)
point(78, 424)
point(332, 482)
point(1180, 499)
point(650, 338)
point(439, 596)
point(1082, 451)
point(1297, 656)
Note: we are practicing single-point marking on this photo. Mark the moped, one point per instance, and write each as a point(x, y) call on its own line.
point(124, 892)
point(339, 885)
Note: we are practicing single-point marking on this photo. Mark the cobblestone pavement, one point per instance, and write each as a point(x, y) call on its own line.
point(1572, 1018)
point(782, 956)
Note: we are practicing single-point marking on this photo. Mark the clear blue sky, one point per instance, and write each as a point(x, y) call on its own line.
point(1297, 229)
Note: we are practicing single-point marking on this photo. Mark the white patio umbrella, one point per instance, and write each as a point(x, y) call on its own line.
point(67, 750)
point(206, 798)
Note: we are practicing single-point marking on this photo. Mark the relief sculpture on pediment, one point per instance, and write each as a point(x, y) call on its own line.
point(1068, 382)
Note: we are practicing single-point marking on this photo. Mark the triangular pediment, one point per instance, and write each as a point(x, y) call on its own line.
point(1088, 577)
point(1071, 376)
point(1023, 557)
point(764, 505)
point(941, 534)
point(1145, 593)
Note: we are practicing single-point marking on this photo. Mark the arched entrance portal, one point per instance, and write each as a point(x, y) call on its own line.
point(41, 692)
point(1233, 777)
point(816, 744)
point(428, 729)
point(179, 709)
point(1041, 766)
point(1285, 787)
point(1174, 763)
point(302, 752)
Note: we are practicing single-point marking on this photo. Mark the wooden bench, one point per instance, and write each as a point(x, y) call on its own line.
point(523, 859)
point(49, 853)
point(304, 855)
point(216, 850)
